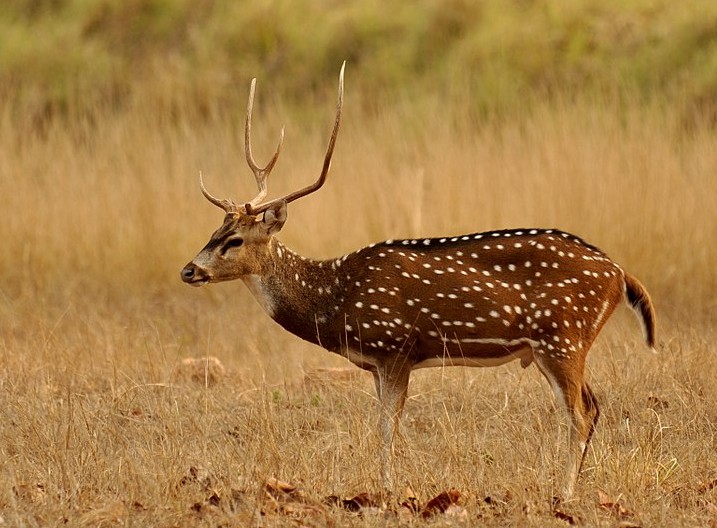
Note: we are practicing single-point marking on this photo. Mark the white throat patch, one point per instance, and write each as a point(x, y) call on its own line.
point(256, 287)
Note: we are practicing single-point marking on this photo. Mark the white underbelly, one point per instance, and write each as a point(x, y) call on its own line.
point(525, 355)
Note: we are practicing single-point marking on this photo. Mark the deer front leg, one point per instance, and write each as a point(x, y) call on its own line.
point(391, 388)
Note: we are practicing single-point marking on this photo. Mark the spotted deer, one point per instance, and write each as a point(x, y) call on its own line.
point(535, 295)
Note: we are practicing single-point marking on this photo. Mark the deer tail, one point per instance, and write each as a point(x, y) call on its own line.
point(639, 300)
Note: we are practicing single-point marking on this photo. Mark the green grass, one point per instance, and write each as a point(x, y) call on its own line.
point(68, 55)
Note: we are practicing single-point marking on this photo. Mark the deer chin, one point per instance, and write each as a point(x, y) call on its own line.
point(199, 282)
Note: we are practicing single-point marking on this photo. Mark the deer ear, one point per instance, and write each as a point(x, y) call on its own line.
point(274, 218)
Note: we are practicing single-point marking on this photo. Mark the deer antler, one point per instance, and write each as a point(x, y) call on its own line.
point(260, 174)
point(228, 205)
point(254, 209)
point(254, 206)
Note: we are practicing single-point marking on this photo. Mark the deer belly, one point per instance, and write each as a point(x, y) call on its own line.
point(486, 353)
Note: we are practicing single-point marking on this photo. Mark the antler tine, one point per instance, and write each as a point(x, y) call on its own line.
point(227, 205)
point(253, 209)
point(260, 174)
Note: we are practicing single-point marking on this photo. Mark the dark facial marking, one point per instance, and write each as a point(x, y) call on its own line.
point(231, 243)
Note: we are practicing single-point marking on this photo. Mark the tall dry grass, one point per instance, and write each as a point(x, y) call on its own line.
point(99, 216)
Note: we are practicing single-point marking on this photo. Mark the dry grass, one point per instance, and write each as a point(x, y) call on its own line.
point(99, 217)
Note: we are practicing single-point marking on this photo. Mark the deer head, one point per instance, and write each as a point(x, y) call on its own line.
point(241, 246)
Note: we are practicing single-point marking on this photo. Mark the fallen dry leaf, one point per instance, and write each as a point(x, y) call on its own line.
point(360, 502)
point(444, 503)
point(614, 507)
point(274, 486)
point(559, 514)
point(440, 503)
point(283, 499)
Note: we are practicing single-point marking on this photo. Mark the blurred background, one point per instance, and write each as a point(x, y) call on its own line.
point(460, 116)
point(61, 58)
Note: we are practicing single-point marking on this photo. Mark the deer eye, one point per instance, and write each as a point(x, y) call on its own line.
point(232, 243)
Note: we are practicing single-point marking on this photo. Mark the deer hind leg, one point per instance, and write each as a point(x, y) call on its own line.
point(581, 408)
point(391, 388)
point(592, 411)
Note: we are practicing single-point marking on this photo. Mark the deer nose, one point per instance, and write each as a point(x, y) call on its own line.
point(188, 272)
point(195, 275)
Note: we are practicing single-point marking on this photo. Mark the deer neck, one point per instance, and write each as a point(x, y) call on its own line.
point(303, 295)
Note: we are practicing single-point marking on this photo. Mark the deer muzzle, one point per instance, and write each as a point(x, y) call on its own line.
point(194, 275)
